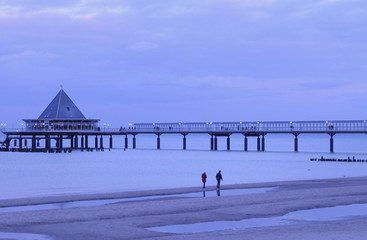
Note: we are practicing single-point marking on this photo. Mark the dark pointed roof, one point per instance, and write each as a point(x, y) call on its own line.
point(62, 107)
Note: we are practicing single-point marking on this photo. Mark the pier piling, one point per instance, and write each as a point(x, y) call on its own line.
point(215, 142)
point(158, 141)
point(331, 142)
point(101, 142)
point(60, 142)
point(86, 141)
point(82, 142)
point(211, 142)
point(296, 142)
point(184, 142)
point(76, 142)
point(228, 143)
point(96, 142)
point(245, 143)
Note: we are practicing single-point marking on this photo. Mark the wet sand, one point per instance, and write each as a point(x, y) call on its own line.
point(129, 220)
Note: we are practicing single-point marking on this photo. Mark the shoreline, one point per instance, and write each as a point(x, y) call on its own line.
point(60, 198)
point(129, 220)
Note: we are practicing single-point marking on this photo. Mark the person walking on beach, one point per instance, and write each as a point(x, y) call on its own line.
point(203, 178)
point(219, 178)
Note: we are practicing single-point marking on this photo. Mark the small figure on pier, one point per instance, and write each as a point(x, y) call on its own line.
point(219, 178)
point(203, 178)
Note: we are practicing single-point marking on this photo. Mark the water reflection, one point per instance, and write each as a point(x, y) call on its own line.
point(292, 218)
point(23, 236)
point(90, 203)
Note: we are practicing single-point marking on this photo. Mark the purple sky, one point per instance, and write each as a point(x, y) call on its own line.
point(185, 60)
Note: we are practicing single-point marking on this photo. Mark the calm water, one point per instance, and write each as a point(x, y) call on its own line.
point(39, 174)
point(292, 218)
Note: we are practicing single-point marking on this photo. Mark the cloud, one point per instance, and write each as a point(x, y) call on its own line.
point(143, 46)
point(82, 11)
point(173, 11)
point(27, 54)
point(73, 9)
point(236, 82)
point(277, 86)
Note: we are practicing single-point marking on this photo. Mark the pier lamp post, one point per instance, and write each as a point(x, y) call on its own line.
point(104, 127)
point(22, 124)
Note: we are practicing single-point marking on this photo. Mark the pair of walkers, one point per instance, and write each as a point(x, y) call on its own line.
point(218, 176)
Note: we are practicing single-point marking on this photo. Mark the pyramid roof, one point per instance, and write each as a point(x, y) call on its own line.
point(62, 107)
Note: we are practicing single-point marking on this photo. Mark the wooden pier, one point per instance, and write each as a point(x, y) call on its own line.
point(56, 140)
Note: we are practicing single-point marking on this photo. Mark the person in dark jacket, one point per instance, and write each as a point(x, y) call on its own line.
point(203, 178)
point(219, 178)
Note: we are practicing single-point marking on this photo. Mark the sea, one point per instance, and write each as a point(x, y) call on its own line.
point(119, 170)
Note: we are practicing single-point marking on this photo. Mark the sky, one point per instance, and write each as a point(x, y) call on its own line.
point(129, 61)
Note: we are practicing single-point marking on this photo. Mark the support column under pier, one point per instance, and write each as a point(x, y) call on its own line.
point(184, 142)
point(158, 141)
point(245, 143)
point(71, 142)
point(101, 142)
point(76, 142)
point(258, 143)
point(215, 143)
point(96, 142)
point(82, 142)
point(86, 141)
point(134, 141)
point(111, 142)
point(126, 142)
point(20, 142)
point(60, 142)
point(331, 142)
point(34, 143)
point(296, 142)
point(228, 143)
point(263, 143)
point(48, 143)
point(211, 142)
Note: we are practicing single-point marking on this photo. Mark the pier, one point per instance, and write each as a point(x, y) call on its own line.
point(62, 128)
point(60, 140)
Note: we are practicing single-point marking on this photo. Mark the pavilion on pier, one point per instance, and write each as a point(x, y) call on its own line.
point(61, 115)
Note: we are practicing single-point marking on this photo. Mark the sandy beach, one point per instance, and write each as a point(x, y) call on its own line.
point(129, 220)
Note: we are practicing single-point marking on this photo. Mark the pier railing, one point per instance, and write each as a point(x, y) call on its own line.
point(353, 126)
point(252, 127)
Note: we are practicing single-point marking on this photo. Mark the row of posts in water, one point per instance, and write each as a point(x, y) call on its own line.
point(349, 159)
